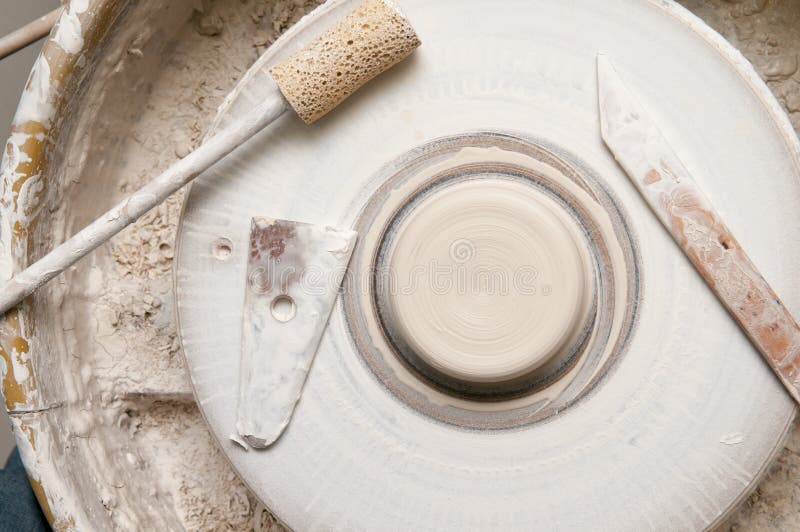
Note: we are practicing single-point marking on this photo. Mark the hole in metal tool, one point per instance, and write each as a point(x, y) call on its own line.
point(283, 308)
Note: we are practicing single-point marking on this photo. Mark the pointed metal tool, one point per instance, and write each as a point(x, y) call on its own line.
point(671, 192)
point(294, 271)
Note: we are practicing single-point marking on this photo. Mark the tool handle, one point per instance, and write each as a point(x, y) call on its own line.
point(29, 33)
point(131, 208)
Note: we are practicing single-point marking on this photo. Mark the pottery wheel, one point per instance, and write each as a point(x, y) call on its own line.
point(603, 386)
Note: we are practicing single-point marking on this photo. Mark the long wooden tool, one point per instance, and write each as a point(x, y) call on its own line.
point(673, 195)
point(29, 33)
point(313, 81)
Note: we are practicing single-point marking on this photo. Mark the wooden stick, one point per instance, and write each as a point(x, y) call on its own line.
point(29, 33)
point(699, 230)
point(130, 209)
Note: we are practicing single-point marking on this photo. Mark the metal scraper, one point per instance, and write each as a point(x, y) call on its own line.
point(294, 273)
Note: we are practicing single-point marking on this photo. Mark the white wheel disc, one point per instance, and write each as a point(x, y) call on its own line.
point(666, 429)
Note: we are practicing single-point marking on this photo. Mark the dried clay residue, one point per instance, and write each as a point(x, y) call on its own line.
point(130, 429)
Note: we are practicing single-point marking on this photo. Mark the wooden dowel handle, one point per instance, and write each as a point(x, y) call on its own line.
point(29, 33)
point(130, 209)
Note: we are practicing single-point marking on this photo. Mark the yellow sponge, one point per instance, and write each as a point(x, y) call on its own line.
point(371, 39)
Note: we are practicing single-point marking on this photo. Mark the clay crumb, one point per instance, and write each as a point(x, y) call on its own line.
point(732, 439)
point(793, 102)
point(209, 25)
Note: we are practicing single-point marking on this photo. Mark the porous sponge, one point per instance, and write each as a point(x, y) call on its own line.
point(371, 39)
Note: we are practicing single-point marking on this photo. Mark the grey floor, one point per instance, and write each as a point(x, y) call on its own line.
point(13, 74)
